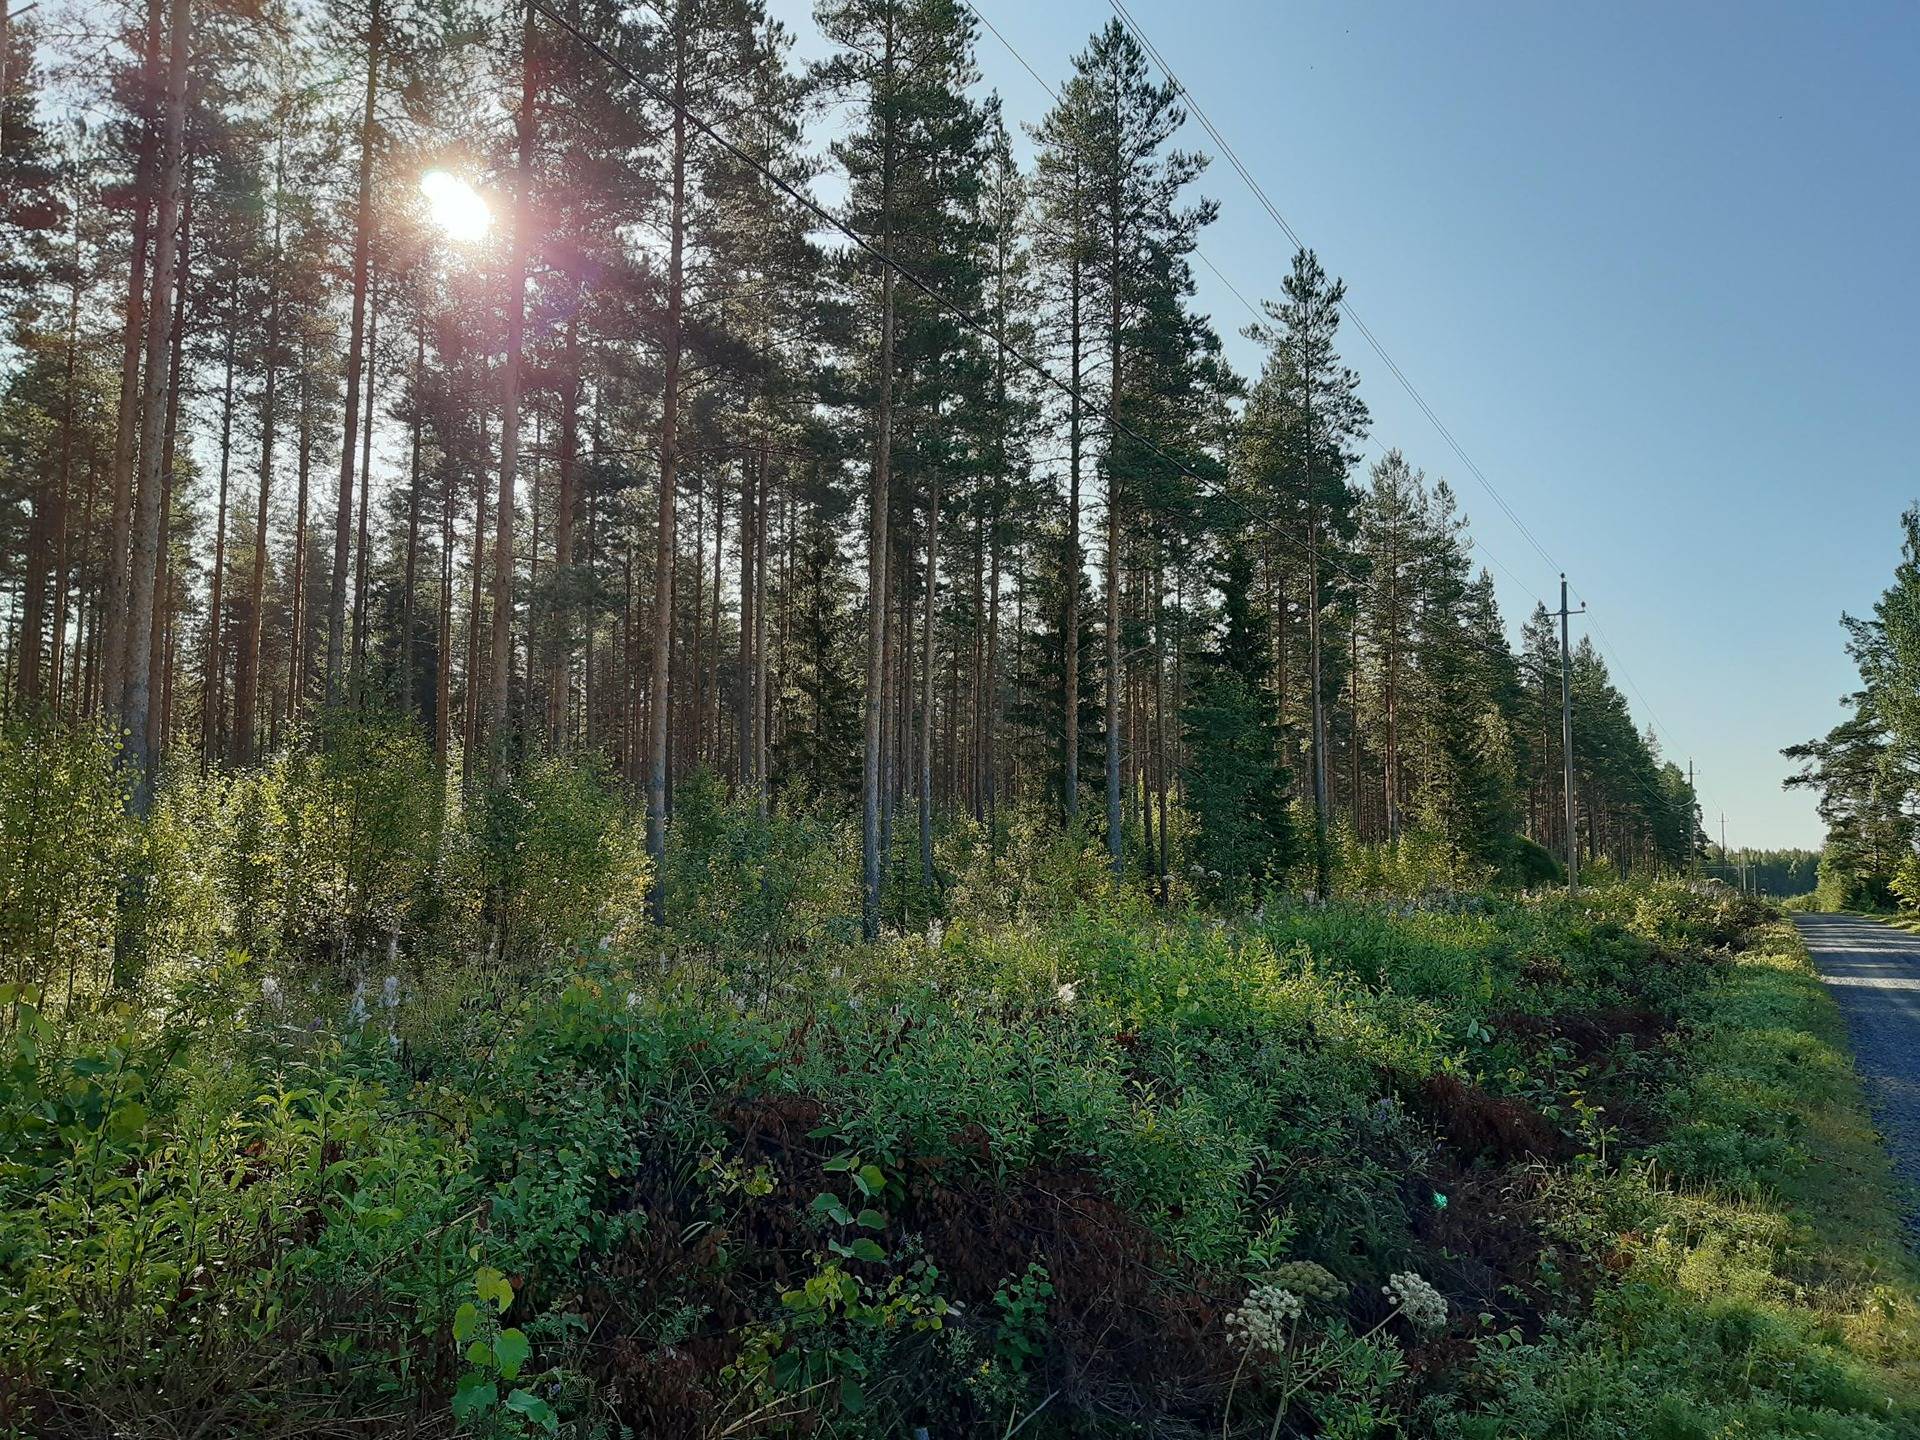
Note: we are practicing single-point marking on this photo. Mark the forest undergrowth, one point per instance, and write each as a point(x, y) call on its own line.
point(334, 1103)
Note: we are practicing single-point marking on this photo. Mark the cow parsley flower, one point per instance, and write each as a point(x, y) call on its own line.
point(1261, 1324)
point(1424, 1306)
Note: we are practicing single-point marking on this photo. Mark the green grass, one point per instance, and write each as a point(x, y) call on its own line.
point(1765, 1287)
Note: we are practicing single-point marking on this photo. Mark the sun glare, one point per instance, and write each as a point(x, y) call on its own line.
point(456, 207)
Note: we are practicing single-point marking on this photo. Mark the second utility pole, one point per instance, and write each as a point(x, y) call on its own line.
point(1566, 734)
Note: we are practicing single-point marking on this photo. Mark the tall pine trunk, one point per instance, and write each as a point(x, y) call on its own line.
point(356, 341)
point(212, 673)
point(145, 551)
point(879, 492)
point(411, 576)
point(560, 655)
point(1070, 624)
point(357, 665)
point(112, 628)
point(927, 656)
point(247, 677)
point(1116, 839)
point(665, 537)
point(502, 643)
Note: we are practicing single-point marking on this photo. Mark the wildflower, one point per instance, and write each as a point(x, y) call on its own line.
point(1424, 1306)
point(1260, 1325)
point(270, 992)
point(936, 932)
point(1068, 992)
point(633, 999)
point(1439, 1201)
point(357, 1004)
point(390, 992)
point(1308, 1281)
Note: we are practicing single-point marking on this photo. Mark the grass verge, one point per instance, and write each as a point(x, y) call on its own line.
point(1764, 1284)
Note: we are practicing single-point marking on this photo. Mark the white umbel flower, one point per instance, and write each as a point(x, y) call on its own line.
point(1424, 1306)
point(1260, 1326)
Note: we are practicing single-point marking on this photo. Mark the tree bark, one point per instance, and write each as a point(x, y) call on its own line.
point(146, 530)
point(112, 626)
point(358, 663)
point(213, 673)
point(927, 655)
point(665, 538)
point(1070, 625)
point(356, 341)
point(297, 655)
point(502, 646)
point(879, 492)
point(560, 657)
point(159, 667)
point(411, 578)
point(247, 680)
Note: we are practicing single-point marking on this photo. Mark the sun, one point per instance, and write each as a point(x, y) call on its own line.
point(455, 206)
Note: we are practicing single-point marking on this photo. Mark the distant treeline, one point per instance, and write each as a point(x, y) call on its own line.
point(1766, 872)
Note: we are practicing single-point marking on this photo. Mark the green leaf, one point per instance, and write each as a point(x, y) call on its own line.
point(476, 1395)
point(464, 1319)
point(534, 1408)
point(479, 1353)
point(865, 1249)
point(511, 1350)
point(494, 1286)
point(871, 1220)
point(852, 1398)
point(871, 1179)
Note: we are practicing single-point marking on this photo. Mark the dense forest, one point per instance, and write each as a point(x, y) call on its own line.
point(499, 369)
point(678, 759)
point(1863, 770)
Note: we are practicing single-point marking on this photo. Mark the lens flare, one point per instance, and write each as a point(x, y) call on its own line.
point(456, 207)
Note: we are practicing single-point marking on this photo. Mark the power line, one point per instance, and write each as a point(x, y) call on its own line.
point(1260, 316)
point(1260, 194)
point(1612, 652)
point(905, 272)
point(1346, 306)
point(971, 322)
point(1054, 95)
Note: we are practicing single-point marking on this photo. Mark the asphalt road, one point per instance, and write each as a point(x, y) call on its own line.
point(1873, 971)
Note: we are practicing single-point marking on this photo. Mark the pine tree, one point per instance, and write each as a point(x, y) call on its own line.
point(1296, 448)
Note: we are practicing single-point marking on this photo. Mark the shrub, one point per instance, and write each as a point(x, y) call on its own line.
point(559, 860)
point(65, 843)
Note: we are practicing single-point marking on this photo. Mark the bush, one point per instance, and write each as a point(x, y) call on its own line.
point(558, 860)
point(743, 888)
point(323, 853)
point(65, 845)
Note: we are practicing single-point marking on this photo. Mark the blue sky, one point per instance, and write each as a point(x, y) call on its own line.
point(1651, 264)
